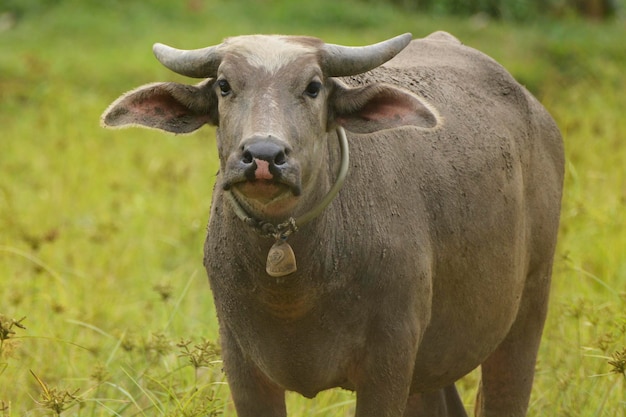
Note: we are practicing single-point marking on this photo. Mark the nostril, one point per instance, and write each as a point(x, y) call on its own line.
point(247, 157)
point(280, 158)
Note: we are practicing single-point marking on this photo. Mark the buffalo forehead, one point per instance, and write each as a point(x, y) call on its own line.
point(269, 53)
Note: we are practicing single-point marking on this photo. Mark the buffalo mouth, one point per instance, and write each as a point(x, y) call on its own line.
point(263, 199)
point(263, 191)
point(266, 190)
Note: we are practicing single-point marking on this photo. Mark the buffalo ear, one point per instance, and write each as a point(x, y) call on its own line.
point(379, 106)
point(173, 107)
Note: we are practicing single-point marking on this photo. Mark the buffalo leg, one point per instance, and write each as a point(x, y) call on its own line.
point(454, 405)
point(507, 375)
point(441, 403)
point(253, 394)
point(383, 381)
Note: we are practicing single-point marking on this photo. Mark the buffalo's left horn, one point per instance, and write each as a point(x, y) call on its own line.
point(196, 63)
point(338, 60)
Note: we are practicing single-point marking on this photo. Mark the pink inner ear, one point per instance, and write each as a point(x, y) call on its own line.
point(172, 107)
point(386, 109)
point(160, 106)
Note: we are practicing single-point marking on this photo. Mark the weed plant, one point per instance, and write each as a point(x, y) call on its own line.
point(101, 232)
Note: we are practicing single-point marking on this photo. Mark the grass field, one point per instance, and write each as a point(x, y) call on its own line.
point(104, 305)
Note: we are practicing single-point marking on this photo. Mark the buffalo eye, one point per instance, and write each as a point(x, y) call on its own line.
point(224, 87)
point(313, 89)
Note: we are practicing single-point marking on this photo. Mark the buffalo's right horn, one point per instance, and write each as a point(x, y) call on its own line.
point(196, 63)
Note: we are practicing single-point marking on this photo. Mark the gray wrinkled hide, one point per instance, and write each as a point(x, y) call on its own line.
point(435, 258)
point(437, 252)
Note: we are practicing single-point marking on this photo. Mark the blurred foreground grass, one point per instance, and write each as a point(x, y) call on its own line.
point(101, 231)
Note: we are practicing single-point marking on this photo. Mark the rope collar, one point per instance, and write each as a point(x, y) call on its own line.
point(283, 230)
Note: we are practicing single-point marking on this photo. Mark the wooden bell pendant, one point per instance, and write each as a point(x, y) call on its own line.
point(281, 260)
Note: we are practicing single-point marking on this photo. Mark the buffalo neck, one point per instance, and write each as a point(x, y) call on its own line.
point(255, 245)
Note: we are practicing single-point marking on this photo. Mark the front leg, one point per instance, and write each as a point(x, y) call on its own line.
point(386, 373)
point(400, 308)
point(444, 402)
point(253, 393)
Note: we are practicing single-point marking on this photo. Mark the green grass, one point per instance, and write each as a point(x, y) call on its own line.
point(101, 231)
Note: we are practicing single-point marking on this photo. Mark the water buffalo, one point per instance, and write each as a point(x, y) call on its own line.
point(392, 259)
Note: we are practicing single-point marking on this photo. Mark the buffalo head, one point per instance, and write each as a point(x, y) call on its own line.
point(274, 100)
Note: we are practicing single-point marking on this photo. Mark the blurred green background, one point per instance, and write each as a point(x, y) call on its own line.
point(104, 306)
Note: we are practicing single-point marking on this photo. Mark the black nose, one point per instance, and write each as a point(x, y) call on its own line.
point(266, 149)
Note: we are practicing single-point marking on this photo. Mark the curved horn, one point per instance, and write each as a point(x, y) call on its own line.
point(196, 63)
point(338, 60)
